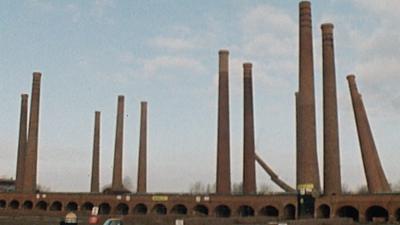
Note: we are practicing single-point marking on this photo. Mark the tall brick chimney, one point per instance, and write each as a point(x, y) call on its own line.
point(376, 179)
point(223, 147)
point(299, 154)
point(308, 167)
point(117, 185)
point(249, 169)
point(142, 162)
point(22, 140)
point(30, 168)
point(95, 181)
point(332, 178)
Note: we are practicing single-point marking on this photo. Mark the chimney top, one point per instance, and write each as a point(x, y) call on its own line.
point(327, 26)
point(247, 65)
point(305, 4)
point(37, 74)
point(351, 77)
point(223, 51)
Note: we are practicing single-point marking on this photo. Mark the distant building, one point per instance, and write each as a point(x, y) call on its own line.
point(7, 185)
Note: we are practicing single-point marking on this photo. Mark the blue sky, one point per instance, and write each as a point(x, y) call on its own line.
point(165, 52)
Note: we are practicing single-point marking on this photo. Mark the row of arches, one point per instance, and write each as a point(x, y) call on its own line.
point(158, 209)
point(371, 214)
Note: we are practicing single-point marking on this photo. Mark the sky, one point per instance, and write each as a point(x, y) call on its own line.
point(166, 53)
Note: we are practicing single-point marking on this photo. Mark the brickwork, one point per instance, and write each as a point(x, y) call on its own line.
point(376, 179)
point(22, 139)
point(332, 177)
point(308, 167)
point(249, 167)
point(30, 167)
point(117, 185)
point(95, 179)
point(142, 159)
point(223, 184)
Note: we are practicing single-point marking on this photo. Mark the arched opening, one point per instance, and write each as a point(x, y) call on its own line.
point(348, 212)
point(222, 211)
point(71, 207)
point(87, 207)
point(289, 212)
point(245, 211)
point(324, 211)
point(56, 206)
point(397, 215)
point(269, 211)
point(42, 205)
point(14, 204)
point(122, 209)
point(140, 209)
point(376, 214)
point(159, 209)
point(179, 209)
point(27, 205)
point(104, 209)
point(3, 204)
point(200, 210)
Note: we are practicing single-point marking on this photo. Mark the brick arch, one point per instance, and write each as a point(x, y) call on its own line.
point(269, 211)
point(222, 211)
point(376, 211)
point(159, 209)
point(348, 211)
point(397, 214)
point(87, 207)
point(289, 212)
point(245, 211)
point(56, 206)
point(3, 204)
point(324, 211)
point(122, 209)
point(27, 204)
point(14, 204)
point(200, 210)
point(71, 206)
point(140, 209)
point(41, 205)
point(104, 208)
point(179, 209)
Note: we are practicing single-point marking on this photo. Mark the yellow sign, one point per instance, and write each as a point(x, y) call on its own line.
point(305, 186)
point(159, 198)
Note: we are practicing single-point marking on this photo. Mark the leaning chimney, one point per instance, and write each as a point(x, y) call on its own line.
point(223, 146)
point(19, 178)
point(30, 168)
point(332, 178)
point(307, 169)
point(249, 169)
point(376, 179)
point(142, 162)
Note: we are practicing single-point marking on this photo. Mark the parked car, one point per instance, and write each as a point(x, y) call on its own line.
point(113, 221)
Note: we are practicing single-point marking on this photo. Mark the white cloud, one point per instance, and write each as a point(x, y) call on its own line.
point(100, 6)
point(266, 18)
point(172, 43)
point(46, 6)
point(386, 7)
point(165, 64)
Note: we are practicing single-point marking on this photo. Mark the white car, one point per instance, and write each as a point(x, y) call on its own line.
point(113, 221)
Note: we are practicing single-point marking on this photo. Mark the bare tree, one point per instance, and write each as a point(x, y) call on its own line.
point(346, 189)
point(264, 189)
point(237, 188)
point(363, 189)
